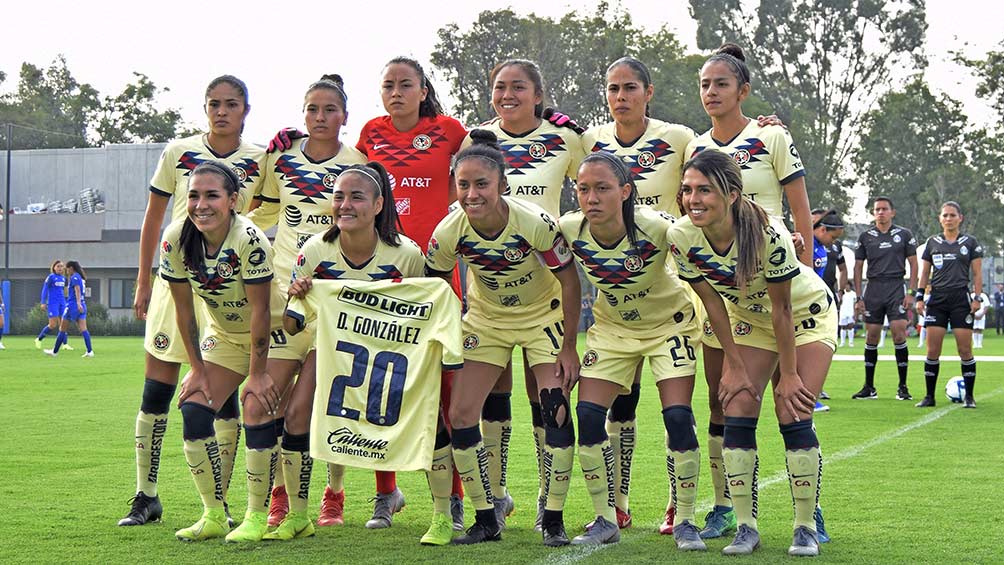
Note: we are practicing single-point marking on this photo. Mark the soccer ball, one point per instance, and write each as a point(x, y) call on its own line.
point(955, 389)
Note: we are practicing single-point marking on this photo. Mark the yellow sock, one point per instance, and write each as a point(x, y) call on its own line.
point(203, 456)
point(597, 463)
point(150, 430)
point(472, 464)
point(685, 467)
point(491, 435)
point(804, 469)
point(441, 478)
point(279, 477)
point(538, 444)
point(721, 488)
point(336, 477)
point(228, 434)
point(298, 467)
point(261, 471)
point(741, 468)
point(622, 441)
point(558, 462)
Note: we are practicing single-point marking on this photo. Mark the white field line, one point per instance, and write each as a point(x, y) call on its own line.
point(578, 554)
point(944, 358)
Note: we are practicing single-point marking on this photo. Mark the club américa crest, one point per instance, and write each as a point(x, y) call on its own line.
point(589, 358)
point(513, 254)
point(241, 173)
point(161, 341)
point(537, 150)
point(741, 157)
point(471, 341)
point(646, 159)
point(633, 263)
point(208, 344)
point(743, 328)
point(708, 330)
point(224, 270)
point(421, 142)
point(329, 180)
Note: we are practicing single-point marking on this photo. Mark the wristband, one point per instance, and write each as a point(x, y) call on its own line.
point(919, 295)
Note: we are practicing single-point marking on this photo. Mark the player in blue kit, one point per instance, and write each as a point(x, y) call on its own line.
point(75, 310)
point(53, 301)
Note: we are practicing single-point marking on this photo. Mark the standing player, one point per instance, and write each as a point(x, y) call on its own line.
point(226, 260)
point(3, 315)
point(299, 182)
point(227, 106)
point(53, 301)
point(509, 245)
point(980, 320)
point(539, 157)
point(772, 172)
point(887, 248)
point(362, 244)
point(645, 313)
point(847, 318)
point(75, 310)
point(999, 308)
point(835, 274)
point(768, 312)
point(953, 255)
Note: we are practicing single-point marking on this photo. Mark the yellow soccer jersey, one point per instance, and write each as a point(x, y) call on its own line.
point(655, 159)
point(302, 189)
point(181, 156)
point(696, 260)
point(245, 257)
point(321, 260)
point(768, 158)
point(638, 298)
point(512, 286)
point(381, 348)
point(538, 161)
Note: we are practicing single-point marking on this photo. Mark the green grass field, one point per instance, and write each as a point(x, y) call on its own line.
point(900, 484)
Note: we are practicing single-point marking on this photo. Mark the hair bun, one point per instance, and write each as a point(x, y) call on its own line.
point(732, 49)
point(335, 78)
point(485, 137)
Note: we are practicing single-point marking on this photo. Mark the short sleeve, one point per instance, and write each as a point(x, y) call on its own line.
point(172, 267)
point(448, 331)
point(164, 181)
point(861, 252)
point(256, 258)
point(440, 254)
point(457, 133)
point(676, 238)
point(787, 162)
point(780, 260)
point(299, 309)
point(926, 256)
point(549, 243)
point(573, 145)
point(910, 249)
point(977, 250)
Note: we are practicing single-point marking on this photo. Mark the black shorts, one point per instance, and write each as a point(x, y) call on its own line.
point(884, 298)
point(949, 306)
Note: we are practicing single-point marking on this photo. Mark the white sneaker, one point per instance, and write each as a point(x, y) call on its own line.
point(2, 345)
point(49, 352)
point(67, 347)
point(88, 354)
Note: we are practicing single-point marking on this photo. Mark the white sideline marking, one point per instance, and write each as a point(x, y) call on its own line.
point(578, 554)
point(979, 358)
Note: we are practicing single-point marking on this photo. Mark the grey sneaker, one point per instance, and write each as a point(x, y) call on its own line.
point(503, 507)
point(457, 512)
point(804, 544)
point(384, 507)
point(688, 538)
point(538, 525)
point(747, 539)
point(554, 535)
point(600, 531)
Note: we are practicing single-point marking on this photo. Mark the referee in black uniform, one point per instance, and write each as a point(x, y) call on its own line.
point(952, 255)
point(887, 248)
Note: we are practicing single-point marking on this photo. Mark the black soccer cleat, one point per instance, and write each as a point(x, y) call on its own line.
point(866, 393)
point(479, 533)
point(970, 402)
point(926, 402)
point(144, 509)
point(903, 393)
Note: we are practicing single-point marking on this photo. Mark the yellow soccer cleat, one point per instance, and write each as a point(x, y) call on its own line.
point(213, 524)
point(252, 529)
point(294, 526)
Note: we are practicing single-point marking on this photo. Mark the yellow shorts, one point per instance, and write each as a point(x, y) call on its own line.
point(228, 350)
point(291, 347)
point(494, 346)
point(613, 358)
point(759, 333)
point(162, 338)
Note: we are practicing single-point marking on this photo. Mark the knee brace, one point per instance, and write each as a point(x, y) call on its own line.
point(679, 425)
point(197, 421)
point(592, 429)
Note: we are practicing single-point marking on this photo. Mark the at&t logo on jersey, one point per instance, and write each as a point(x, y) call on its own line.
point(293, 216)
point(471, 341)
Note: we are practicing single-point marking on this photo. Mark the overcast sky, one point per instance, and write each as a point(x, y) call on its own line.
point(279, 48)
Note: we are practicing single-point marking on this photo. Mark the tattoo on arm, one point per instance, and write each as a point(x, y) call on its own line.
point(261, 348)
point(193, 336)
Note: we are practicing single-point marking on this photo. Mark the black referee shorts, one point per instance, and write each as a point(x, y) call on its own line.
point(950, 306)
point(884, 298)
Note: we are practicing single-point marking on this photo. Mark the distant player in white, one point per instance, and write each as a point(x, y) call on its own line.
point(847, 317)
point(980, 321)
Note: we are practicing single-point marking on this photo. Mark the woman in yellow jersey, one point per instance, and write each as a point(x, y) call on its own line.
point(297, 196)
point(539, 156)
point(642, 312)
point(510, 246)
point(362, 243)
point(227, 261)
point(227, 106)
point(772, 171)
point(769, 311)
